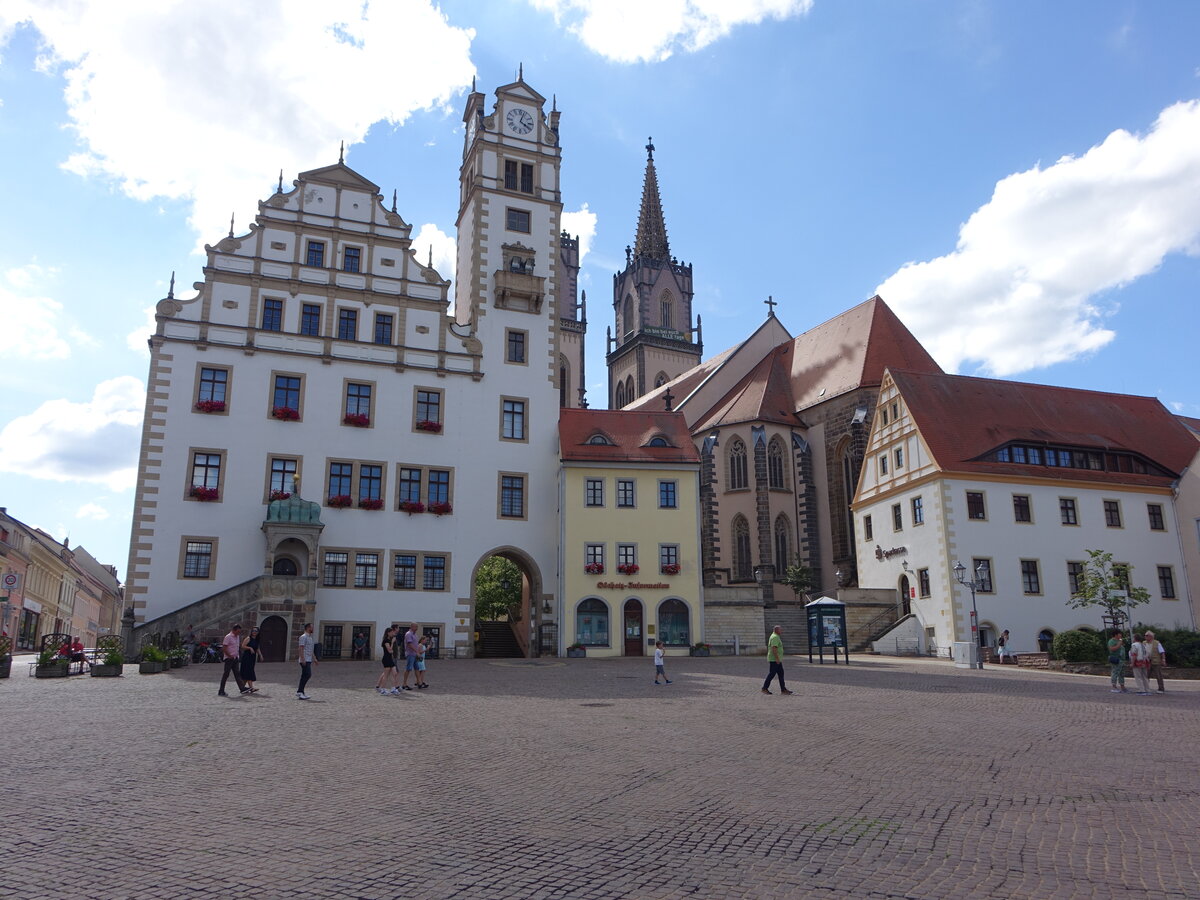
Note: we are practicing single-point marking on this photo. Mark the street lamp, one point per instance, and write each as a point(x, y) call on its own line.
point(974, 584)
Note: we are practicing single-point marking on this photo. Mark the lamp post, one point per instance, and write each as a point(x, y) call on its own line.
point(974, 584)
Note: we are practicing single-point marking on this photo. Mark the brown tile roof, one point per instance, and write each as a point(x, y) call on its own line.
point(1192, 425)
point(962, 418)
point(630, 431)
point(764, 395)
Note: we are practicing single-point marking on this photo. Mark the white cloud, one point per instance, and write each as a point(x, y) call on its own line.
point(445, 252)
point(1023, 288)
point(137, 339)
point(581, 224)
point(33, 323)
point(92, 511)
point(95, 441)
point(662, 27)
point(207, 102)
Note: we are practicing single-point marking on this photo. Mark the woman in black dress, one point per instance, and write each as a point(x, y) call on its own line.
point(250, 655)
point(389, 663)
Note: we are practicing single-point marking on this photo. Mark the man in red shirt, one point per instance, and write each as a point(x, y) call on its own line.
point(231, 650)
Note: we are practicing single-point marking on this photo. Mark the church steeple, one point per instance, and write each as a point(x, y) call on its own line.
point(651, 241)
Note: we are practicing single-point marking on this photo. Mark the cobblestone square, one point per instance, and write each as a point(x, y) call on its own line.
point(581, 779)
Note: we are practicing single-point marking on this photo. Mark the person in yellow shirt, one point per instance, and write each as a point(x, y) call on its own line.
point(775, 658)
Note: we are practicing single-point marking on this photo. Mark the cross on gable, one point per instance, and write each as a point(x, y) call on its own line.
point(668, 398)
point(771, 304)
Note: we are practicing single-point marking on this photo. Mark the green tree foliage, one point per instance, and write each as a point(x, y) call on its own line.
point(1181, 644)
point(1101, 584)
point(798, 577)
point(1079, 646)
point(492, 600)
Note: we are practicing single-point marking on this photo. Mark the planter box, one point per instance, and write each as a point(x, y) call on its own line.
point(176, 663)
point(103, 671)
point(150, 668)
point(701, 653)
point(576, 654)
point(53, 670)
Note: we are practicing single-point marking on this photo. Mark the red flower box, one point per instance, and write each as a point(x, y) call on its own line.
point(412, 506)
point(440, 509)
point(280, 495)
point(670, 569)
point(358, 420)
point(203, 494)
point(428, 425)
point(210, 406)
point(370, 503)
point(594, 569)
point(631, 569)
point(340, 501)
point(285, 413)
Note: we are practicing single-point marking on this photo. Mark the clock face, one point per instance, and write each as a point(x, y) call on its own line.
point(519, 121)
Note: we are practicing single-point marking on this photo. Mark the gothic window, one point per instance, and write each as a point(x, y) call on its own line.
point(665, 310)
point(660, 379)
point(783, 547)
point(742, 570)
point(620, 398)
point(737, 479)
point(627, 315)
point(564, 382)
point(775, 464)
point(630, 396)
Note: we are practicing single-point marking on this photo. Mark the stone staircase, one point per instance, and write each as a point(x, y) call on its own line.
point(497, 641)
point(793, 618)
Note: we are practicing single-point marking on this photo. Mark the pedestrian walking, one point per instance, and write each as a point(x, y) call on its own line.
point(422, 647)
point(389, 663)
point(411, 640)
point(775, 658)
point(1158, 659)
point(307, 659)
point(250, 655)
point(1003, 648)
point(658, 663)
point(1116, 662)
point(1139, 653)
point(231, 652)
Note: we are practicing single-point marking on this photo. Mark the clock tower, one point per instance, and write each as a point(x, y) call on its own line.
point(652, 303)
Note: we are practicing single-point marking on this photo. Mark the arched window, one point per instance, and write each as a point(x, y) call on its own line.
point(619, 400)
point(630, 396)
point(742, 568)
point(665, 309)
point(591, 623)
point(783, 545)
point(775, 464)
point(660, 379)
point(673, 625)
point(737, 478)
point(627, 315)
point(564, 382)
point(658, 441)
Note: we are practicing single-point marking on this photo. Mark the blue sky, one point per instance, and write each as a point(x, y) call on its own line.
point(1019, 180)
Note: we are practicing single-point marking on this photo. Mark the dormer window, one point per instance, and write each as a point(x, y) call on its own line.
point(599, 440)
point(658, 441)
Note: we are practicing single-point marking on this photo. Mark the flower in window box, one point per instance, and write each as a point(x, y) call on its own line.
point(340, 501)
point(203, 494)
point(210, 406)
point(594, 568)
point(412, 506)
point(440, 509)
point(670, 569)
point(370, 503)
point(429, 425)
point(358, 420)
point(281, 495)
point(630, 569)
point(285, 413)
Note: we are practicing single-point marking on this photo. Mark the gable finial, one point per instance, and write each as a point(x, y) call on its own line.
point(554, 103)
point(279, 189)
point(342, 153)
point(171, 289)
point(393, 199)
point(231, 215)
point(473, 84)
point(520, 71)
point(668, 399)
point(650, 149)
point(429, 265)
point(771, 304)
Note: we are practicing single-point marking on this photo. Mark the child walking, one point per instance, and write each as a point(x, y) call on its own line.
point(658, 663)
point(422, 646)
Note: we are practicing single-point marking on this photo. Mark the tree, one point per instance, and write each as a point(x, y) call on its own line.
point(492, 598)
point(798, 577)
point(1107, 585)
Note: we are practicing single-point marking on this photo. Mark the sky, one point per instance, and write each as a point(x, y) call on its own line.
point(1019, 180)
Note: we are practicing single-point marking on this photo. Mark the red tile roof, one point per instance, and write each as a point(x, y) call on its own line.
point(629, 432)
point(962, 418)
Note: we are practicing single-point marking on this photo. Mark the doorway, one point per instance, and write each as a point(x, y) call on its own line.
point(273, 637)
point(633, 628)
point(905, 596)
point(284, 566)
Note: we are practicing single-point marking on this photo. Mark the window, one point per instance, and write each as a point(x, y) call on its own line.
point(868, 529)
point(197, 559)
point(512, 496)
point(516, 346)
point(975, 508)
point(885, 415)
point(883, 464)
point(337, 564)
point(429, 407)
point(667, 498)
point(434, 571)
point(206, 470)
point(923, 582)
point(591, 623)
point(214, 382)
point(673, 628)
point(738, 479)
point(366, 570)
point(283, 475)
point(512, 422)
point(594, 492)
point(1166, 582)
point(316, 254)
point(897, 517)
point(358, 399)
point(899, 456)
point(287, 392)
point(410, 485)
point(272, 316)
point(896, 411)
point(347, 325)
point(1155, 511)
point(383, 328)
point(668, 555)
point(351, 259)
point(741, 550)
point(510, 174)
point(918, 511)
point(1066, 511)
point(664, 309)
point(1074, 577)
point(783, 545)
point(370, 482)
point(439, 486)
point(1031, 582)
point(625, 492)
point(984, 576)
point(775, 464)
point(658, 441)
point(511, 169)
point(1112, 513)
point(593, 555)
point(341, 475)
point(404, 572)
point(310, 319)
point(626, 555)
point(1120, 574)
point(517, 220)
point(526, 178)
point(1021, 509)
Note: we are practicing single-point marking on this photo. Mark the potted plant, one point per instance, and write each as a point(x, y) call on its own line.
point(594, 568)
point(203, 494)
point(576, 651)
point(340, 501)
point(5, 655)
point(701, 649)
point(281, 495)
point(441, 509)
point(628, 569)
point(670, 569)
point(50, 665)
point(285, 413)
point(152, 660)
point(211, 406)
point(430, 426)
point(358, 420)
point(113, 665)
point(412, 506)
point(370, 503)
point(176, 655)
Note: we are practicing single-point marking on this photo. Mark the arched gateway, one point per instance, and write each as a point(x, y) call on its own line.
point(525, 628)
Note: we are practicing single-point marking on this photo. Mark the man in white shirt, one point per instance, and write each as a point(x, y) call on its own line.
point(307, 660)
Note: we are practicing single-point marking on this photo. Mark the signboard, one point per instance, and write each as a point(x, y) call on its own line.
point(11, 581)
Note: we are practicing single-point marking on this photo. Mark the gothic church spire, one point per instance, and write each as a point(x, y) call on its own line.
point(651, 241)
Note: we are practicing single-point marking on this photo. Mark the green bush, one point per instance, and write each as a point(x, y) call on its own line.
point(1080, 646)
point(150, 653)
point(1181, 644)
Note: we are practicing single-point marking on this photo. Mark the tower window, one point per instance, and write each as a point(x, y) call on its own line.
point(526, 178)
point(517, 220)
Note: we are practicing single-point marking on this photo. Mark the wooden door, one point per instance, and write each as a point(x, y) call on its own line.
point(273, 638)
point(633, 628)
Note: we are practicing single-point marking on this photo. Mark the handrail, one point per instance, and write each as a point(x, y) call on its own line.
point(888, 615)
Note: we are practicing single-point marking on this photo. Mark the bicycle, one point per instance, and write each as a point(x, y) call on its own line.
point(205, 653)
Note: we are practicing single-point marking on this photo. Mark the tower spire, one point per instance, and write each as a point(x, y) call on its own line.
point(342, 153)
point(651, 240)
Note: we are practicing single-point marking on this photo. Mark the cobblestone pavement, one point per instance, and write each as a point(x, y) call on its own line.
point(581, 779)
